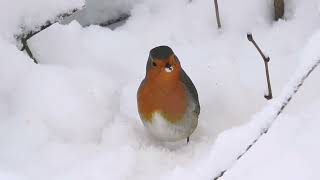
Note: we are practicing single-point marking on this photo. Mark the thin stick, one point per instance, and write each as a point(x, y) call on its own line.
point(122, 17)
point(266, 61)
point(269, 96)
point(217, 13)
point(26, 47)
point(284, 102)
point(278, 9)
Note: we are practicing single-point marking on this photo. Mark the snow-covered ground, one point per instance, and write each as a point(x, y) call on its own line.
point(74, 115)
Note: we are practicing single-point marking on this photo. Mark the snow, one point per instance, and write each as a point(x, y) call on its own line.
point(293, 153)
point(74, 115)
point(29, 15)
point(102, 11)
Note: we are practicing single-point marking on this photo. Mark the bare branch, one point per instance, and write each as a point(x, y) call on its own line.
point(266, 61)
point(121, 18)
point(26, 47)
point(216, 6)
point(278, 9)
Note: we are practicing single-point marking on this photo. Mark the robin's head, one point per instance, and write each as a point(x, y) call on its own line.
point(163, 63)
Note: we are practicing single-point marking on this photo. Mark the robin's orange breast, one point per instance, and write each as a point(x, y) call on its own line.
point(169, 98)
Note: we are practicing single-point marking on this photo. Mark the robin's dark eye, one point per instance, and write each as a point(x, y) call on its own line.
point(154, 64)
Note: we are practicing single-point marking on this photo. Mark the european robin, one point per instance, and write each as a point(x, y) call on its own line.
point(168, 101)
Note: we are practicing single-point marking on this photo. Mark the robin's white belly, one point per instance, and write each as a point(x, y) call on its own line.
point(164, 130)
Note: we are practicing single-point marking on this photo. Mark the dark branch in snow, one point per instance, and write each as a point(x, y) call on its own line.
point(25, 36)
point(278, 9)
point(266, 60)
point(297, 87)
point(26, 47)
point(217, 13)
point(220, 175)
point(284, 101)
point(121, 18)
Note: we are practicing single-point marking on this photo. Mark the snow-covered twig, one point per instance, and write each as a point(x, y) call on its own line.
point(121, 18)
point(217, 13)
point(280, 104)
point(266, 60)
point(23, 38)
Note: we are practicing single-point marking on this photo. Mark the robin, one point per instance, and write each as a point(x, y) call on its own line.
point(168, 101)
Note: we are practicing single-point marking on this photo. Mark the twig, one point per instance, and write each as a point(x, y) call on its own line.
point(220, 175)
point(217, 13)
point(26, 47)
point(278, 9)
point(25, 36)
point(284, 101)
point(266, 60)
point(122, 17)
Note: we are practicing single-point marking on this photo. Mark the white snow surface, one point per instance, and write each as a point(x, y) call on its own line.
point(102, 11)
point(74, 115)
point(21, 16)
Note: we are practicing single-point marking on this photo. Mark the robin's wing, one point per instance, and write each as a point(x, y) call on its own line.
point(192, 89)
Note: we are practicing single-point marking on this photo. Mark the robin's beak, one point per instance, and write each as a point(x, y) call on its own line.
point(168, 68)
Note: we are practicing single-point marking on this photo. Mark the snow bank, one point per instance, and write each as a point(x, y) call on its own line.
point(289, 150)
point(56, 97)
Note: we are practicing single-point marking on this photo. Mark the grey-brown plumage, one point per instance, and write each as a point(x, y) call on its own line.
point(192, 89)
